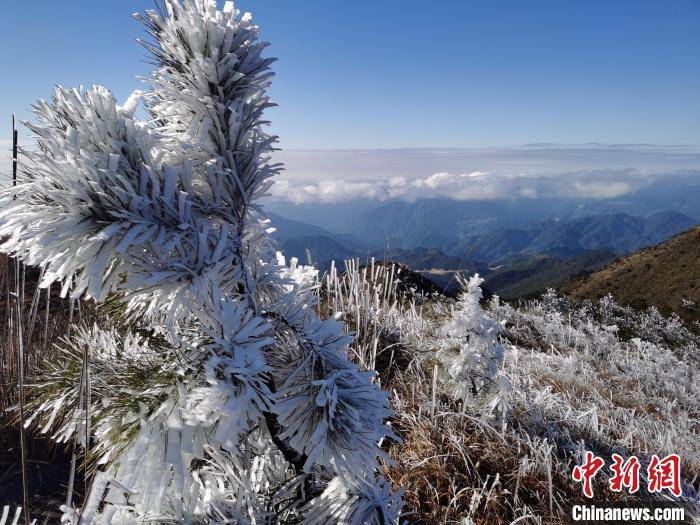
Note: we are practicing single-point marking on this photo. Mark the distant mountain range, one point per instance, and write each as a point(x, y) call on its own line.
point(521, 245)
point(423, 222)
point(489, 232)
point(617, 233)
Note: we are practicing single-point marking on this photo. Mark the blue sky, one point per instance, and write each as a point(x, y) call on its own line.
point(404, 74)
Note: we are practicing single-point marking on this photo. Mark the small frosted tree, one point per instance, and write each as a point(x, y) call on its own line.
point(212, 392)
point(472, 352)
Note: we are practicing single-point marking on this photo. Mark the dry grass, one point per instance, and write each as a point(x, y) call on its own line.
point(456, 468)
point(661, 275)
point(575, 387)
point(44, 317)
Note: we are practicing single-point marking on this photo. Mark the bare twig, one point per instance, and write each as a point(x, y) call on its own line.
point(19, 302)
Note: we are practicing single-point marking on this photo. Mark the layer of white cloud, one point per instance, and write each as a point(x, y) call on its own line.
point(592, 171)
point(477, 185)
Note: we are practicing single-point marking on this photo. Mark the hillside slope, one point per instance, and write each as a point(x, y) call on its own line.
point(527, 276)
point(662, 275)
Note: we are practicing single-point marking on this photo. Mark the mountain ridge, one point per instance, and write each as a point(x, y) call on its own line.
point(662, 275)
point(619, 233)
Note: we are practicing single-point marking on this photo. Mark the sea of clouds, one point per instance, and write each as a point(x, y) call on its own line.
point(596, 171)
point(477, 185)
point(588, 171)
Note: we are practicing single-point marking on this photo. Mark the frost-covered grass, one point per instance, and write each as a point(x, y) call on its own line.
point(12, 516)
point(495, 407)
point(494, 404)
point(212, 386)
point(636, 394)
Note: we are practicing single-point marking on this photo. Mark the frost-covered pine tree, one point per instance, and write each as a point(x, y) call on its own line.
point(212, 392)
point(472, 352)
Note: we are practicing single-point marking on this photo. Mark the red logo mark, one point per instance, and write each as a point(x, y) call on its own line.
point(587, 472)
point(665, 474)
point(625, 474)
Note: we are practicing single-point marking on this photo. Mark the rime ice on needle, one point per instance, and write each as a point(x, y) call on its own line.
point(475, 369)
point(252, 411)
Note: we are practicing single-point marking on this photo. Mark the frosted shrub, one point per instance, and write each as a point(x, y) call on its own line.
point(647, 323)
point(225, 398)
point(471, 350)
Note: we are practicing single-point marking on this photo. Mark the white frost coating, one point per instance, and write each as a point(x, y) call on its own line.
point(472, 353)
point(303, 276)
point(235, 403)
point(359, 501)
point(6, 512)
point(337, 421)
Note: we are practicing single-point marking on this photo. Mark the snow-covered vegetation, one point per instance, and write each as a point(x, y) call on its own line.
point(206, 379)
point(495, 405)
point(209, 390)
point(592, 376)
point(10, 516)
